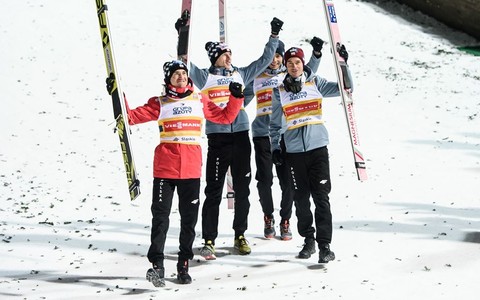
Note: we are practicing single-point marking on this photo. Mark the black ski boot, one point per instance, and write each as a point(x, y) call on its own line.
point(325, 254)
point(182, 272)
point(156, 274)
point(308, 248)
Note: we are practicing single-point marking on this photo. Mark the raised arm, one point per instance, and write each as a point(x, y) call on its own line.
point(198, 76)
point(250, 72)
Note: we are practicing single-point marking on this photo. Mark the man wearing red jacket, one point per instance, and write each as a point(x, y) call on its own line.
point(178, 160)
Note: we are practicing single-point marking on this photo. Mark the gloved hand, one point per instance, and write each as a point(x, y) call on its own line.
point(342, 51)
point(236, 89)
point(182, 21)
point(277, 157)
point(276, 26)
point(317, 44)
point(293, 85)
point(110, 82)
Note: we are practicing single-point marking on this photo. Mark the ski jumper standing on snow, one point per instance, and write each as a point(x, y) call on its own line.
point(299, 100)
point(262, 88)
point(178, 159)
point(228, 145)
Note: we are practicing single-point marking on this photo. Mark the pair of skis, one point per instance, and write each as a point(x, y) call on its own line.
point(341, 69)
point(182, 54)
point(119, 110)
point(184, 31)
point(222, 26)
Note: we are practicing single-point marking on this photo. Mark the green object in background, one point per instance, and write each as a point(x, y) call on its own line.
point(475, 50)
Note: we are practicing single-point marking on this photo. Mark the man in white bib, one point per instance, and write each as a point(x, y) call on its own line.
point(299, 100)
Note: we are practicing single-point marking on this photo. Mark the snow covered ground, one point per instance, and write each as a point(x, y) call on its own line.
point(69, 230)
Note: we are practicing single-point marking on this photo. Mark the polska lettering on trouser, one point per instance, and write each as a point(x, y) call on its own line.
point(294, 181)
point(160, 191)
point(217, 164)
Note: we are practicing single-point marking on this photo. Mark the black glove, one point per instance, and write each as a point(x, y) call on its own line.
point(276, 26)
point(342, 52)
point(277, 157)
point(110, 82)
point(291, 84)
point(236, 89)
point(317, 44)
point(182, 21)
